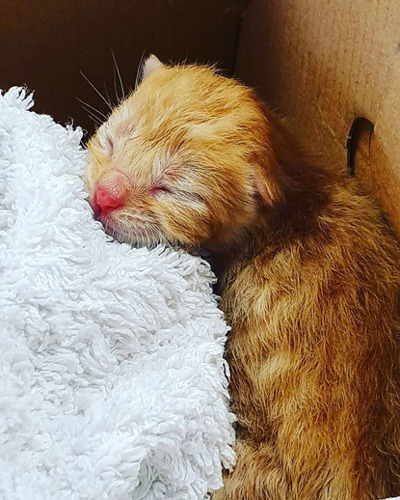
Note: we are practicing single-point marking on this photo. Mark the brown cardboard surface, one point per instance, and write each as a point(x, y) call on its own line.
point(323, 64)
point(45, 45)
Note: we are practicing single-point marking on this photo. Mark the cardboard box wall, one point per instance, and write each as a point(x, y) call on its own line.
point(333, 69)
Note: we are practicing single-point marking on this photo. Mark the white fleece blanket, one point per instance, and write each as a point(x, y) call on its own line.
point(112, 380)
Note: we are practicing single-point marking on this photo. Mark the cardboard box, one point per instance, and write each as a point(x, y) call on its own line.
point(333, 69)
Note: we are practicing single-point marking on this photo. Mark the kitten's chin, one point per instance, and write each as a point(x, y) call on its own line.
point(135, 237)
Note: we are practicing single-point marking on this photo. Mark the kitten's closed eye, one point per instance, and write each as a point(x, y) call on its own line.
point(106, 144)
point(155, 190)
point(176, 193)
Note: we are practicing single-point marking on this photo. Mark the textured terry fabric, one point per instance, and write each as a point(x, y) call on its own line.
point(112, 378)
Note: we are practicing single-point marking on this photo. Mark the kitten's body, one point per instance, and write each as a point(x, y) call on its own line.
point(312, 280)
point(313, 351)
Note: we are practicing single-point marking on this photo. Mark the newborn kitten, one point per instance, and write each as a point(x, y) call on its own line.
point(312, 279)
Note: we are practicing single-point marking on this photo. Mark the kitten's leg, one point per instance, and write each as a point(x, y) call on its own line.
point(255, 476)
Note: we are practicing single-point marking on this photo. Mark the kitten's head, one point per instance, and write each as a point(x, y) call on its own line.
point(184, 159)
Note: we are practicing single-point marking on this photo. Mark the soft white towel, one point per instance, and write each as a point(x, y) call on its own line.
point(112, 378)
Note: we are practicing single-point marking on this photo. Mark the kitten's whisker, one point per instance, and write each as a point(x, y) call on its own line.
point(94, 119)
point(108, 97)
point(93, 108)
point(96, 90)
point(119, 79)
point(93, 116)
point(115, 88)
point(139, 71)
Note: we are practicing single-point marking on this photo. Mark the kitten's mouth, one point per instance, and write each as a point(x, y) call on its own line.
point(105, 220)
point(95, 209)
point(101, 216)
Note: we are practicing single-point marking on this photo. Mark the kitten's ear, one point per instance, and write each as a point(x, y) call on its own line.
point(271, 183)
point(151, 65)
point(268, 182)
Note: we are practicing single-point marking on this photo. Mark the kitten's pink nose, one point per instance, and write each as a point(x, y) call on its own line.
point(110, 194)
point(107, 201)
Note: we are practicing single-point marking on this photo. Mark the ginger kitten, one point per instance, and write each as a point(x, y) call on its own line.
point(311, 279)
